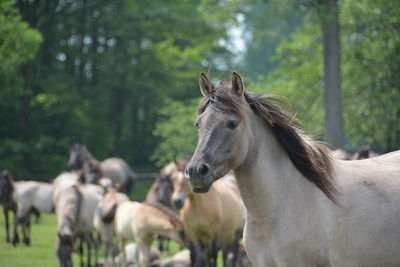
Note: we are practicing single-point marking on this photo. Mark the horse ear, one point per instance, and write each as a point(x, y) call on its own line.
point(206, 86)
point(237, 84)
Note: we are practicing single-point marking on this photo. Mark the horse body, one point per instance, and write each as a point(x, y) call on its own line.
point(303, 207)
point(139, 222)
point(114, 168)
point(75, 212)
point(24, 198)
point(34, 194)
point(212, 217)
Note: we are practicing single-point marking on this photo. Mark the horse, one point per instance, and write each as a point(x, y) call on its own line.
point(304, 208)
point(114, 168)
point(23, 198)
point(104, 218)
point(364, 152)
point(140, 222)
point(31, 195)
point(213, 220)
point(62, 182)
point(6, 188)
point(160, 191)
point(75, 212)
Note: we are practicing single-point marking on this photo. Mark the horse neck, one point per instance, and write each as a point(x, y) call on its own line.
point(268, 181)
point(200, 203)
point(87, 156)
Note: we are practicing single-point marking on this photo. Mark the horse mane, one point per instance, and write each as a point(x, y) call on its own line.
point(311, 158)
point(7, 175)
point(173, 217)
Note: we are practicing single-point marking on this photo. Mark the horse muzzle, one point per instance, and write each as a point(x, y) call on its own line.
point(200, 176)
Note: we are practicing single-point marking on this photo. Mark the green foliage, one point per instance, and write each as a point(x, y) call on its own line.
point(103, 70)
point(370, 67)
point(298, 76)
point(176, 131)
point(18, 42)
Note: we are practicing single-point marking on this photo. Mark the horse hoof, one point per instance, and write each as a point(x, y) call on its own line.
point(27, 242)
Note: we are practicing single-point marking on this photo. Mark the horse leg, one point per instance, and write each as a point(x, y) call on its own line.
point(197, 256)
point(5, 211)
point(88, 244)
point(81, 251)
point(124, 262)
point(213, 254)
point(144, 250)
point(235, 247)
point(15, 240)
point(26, 225)
point(96, 246)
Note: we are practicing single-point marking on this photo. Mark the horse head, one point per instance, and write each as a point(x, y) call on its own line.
point(92, 171)
point(181, 188)
point(75, 156)
point(64, 249)
point(165, 189)
point(6, 185)
point(223, 131)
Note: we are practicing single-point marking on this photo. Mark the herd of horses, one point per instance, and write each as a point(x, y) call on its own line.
point(256, 189)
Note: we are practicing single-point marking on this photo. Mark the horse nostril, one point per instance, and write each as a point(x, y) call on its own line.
point(204, 169)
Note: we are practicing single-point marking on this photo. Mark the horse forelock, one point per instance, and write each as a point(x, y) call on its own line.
point(311, 158)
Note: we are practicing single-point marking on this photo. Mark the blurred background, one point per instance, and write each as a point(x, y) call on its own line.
point(122, 76)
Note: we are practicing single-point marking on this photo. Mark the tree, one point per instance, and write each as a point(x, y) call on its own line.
point(328, 13)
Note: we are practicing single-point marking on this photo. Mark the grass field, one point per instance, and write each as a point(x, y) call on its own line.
point(42, 252)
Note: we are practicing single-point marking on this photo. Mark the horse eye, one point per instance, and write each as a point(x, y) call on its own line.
point(232, 124)
point(196, 124)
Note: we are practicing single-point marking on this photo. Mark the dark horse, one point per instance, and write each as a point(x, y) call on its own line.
point(116, 169)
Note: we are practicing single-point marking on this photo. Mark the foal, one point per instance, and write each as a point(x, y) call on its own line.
point(140, 222)
point(104, 218)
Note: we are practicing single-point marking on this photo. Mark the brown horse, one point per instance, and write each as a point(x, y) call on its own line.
point(162, 188)
point(140, 222)
point(213, 220)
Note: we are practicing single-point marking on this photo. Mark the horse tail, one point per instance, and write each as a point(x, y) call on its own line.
point(36, 213)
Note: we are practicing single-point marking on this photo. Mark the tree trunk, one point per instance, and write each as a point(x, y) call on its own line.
point(332, 95)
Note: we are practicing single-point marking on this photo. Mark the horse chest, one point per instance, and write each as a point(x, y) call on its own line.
point(280, 246)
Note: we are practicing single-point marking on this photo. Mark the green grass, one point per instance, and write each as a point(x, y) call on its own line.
point(42, 249)
point(42, 252)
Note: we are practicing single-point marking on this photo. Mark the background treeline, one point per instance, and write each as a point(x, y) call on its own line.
point(121, 76)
